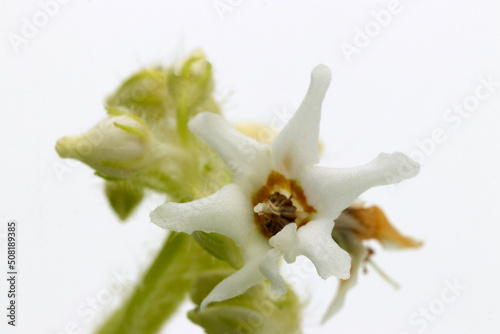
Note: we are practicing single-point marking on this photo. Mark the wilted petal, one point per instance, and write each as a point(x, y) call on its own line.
point(331, 190)
point(316, 243)
point(227, 212)
point(236, 284)
point(247, 159)
point(374, 224)
point(296, 147)
point(350, 243)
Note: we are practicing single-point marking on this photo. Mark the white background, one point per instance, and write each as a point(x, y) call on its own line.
point(390, 96)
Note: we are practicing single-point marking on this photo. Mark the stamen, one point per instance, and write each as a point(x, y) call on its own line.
point(273, 210)
point(266, 207)
point(278, 211)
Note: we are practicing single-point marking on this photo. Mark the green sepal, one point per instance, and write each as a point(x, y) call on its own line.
point(220, 246)
point(135, 131)
point(123, 196)
point(111, 111)
point(108, 178)
point(122, 164)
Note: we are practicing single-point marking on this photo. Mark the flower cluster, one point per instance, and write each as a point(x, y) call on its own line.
point(280, 204)
point(238, 208)
point(144, 142)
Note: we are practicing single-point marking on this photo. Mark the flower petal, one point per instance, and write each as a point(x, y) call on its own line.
point(247, 159)
point(235, 284)
point(285, 241)
point(227, 212)
point(331, 190)
point(296, 147)
point(270, 269)
point(317, 244)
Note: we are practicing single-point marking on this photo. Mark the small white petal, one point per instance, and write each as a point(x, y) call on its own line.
point(227, 212)
point(286, 238)
point(317, 244)
point(270, 269)
point(331, 190)
point(236, 284)
point(285, 241)
point(247, 159)
point(296, 147)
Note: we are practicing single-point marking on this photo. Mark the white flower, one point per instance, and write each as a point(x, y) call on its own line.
point(279, 205)
point(118, 147)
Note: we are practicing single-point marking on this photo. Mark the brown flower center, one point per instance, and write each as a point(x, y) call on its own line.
point(277, 211)
point(274, 210)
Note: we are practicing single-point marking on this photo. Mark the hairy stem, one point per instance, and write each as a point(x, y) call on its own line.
point(163, 287)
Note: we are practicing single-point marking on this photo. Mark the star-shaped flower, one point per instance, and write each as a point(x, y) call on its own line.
point(280, 205)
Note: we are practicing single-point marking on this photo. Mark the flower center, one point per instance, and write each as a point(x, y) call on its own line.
point(274, 210)
point(278, 211)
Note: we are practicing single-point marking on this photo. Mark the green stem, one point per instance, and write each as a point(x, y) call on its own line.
point(163, 287)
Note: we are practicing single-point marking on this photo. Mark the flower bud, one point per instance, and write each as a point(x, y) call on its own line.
point(144, 94)
point(257, 311)
point(117, 148)
point(190, 82)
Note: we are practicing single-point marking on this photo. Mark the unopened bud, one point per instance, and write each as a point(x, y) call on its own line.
point(256, 311)
point(117, 148)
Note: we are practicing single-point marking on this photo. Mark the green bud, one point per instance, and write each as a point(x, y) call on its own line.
point(117, 148)
point(220, 246)
point(257, 311)
point(190, 84)
point(123, 196)
point(145, 94)
point(206, 282)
